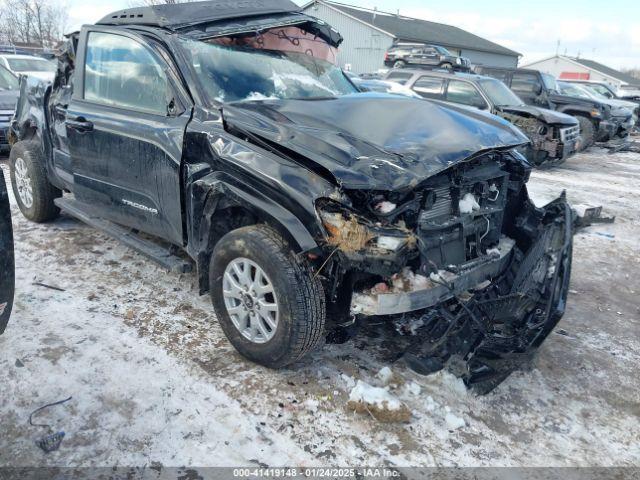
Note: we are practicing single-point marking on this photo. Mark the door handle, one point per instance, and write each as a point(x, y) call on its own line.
point(79, 124)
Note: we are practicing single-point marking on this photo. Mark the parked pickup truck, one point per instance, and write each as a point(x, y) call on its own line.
point(554, 136)
point(303, 203)
point(540, 89)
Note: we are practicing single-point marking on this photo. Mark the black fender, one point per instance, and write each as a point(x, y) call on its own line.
point(7, 263)
point(29, 121)
point(584, 110)
point(218, 192)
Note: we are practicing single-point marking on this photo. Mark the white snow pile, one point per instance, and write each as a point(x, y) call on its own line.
point(386, 207)
point(385, 375)
point(454, 422)
point(377, 402)
point(468, 204)
point(380, 397)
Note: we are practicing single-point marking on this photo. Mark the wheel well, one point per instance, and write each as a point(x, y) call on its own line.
point(28, 131)
point(580, 114)
point(231, 217)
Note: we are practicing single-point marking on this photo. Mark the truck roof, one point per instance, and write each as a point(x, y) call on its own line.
point(182, 15)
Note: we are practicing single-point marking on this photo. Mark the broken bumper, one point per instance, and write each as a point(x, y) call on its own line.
point(469, 276)
point(494, 316)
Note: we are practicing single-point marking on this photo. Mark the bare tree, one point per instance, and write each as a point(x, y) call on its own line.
point(32, 21)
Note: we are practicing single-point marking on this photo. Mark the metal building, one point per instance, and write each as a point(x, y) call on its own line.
point(369, 33)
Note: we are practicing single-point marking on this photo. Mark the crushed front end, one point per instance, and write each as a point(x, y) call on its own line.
point(550, 143)
point(464, 260)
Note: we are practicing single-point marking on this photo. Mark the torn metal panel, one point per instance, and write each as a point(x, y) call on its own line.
point(494, 329)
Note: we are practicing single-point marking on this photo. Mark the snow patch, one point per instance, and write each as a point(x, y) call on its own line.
point(468, 204)
point(386, 207)
point(454, 422)
point(374, 396)
point(385, 375)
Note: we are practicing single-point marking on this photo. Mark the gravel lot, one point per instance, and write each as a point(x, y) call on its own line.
point(154, 381)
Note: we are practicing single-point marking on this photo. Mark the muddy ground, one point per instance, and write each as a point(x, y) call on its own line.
point(154, 380)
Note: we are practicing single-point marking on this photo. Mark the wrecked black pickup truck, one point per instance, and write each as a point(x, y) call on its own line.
point(230, 134)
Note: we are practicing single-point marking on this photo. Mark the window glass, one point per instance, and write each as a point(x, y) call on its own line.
point(399, 77)
point(121, 72)
point(429, 87)
point(465, 93)
point(525, 82)
point(31, 65)
point(7, 80)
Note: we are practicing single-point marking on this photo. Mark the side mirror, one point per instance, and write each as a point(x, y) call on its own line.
point(537, 89)
point(480, 104)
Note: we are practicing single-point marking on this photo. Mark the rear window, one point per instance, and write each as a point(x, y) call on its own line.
point(399, 77)
point(525, 82)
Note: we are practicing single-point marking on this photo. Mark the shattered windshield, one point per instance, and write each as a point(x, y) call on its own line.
point(236, 73)
point(443, 51)
point(499, 94)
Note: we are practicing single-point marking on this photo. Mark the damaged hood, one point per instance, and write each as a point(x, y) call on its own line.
point(373, 141)
point(548, 116)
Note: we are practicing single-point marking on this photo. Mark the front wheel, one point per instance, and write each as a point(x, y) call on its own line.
point(269, 304)
point(34, 194)
point(587, 132)
point(447, 66)
point(400, 64)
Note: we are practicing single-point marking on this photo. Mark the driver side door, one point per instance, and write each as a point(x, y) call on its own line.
point(125, 127)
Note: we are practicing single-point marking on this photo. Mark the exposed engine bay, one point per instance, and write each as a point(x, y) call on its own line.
point(547, 141)
point(466, 257)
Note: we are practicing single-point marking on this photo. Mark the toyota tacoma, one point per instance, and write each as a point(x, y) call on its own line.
point(305, 205)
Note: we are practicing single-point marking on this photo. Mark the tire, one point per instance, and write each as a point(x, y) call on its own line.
point(299, 297)
point(31, 188)
point(400, 64)
point(447, 66)
point(587, 131)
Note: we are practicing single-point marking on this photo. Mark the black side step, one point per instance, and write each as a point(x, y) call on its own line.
point(149, 249)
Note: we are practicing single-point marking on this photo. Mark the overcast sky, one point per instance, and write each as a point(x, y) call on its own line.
point(606, 31)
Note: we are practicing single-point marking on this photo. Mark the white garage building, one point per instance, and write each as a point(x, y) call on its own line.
point(569, 68)
point(368, 34)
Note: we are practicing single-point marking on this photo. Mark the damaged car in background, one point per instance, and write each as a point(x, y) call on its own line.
point(304, 204)
point(554, 136)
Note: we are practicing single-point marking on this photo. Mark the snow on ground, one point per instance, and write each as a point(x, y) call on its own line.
point(154, 380)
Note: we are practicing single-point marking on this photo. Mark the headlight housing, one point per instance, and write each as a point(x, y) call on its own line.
point(351, 232)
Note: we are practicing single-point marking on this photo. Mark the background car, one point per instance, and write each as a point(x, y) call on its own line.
point(605, 92)
point(554, 136)
point(597, 122)
point(9, 90)
point(430, 56)
point(622, 115)
point(380, 86)
point(37, 67)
